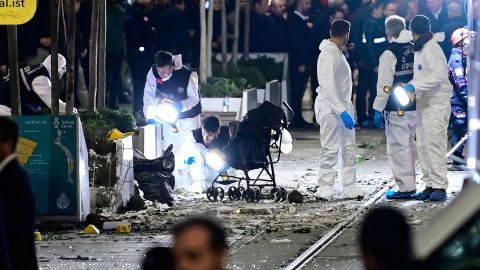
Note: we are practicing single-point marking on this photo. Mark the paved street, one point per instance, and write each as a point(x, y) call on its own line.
point(264, 235)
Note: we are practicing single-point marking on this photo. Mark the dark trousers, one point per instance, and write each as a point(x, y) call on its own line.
point(114, 62)
point(139, 64)
point(367, 82)
point(314, 83)
point(298, 83)
point(459, 126)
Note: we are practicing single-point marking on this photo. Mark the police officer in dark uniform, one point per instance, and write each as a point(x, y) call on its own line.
point(373, 45)
point(396, 66)
point(458, 77)
point(35, 88)
point(170, 81)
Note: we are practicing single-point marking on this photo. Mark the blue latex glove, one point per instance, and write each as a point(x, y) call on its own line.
point(179, 106)
point(378, 119)
point(151, 121)
point(409, 87)
point(190, 161)
point(348, 120)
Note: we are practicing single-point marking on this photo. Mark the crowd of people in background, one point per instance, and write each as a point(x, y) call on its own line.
point(136, 29)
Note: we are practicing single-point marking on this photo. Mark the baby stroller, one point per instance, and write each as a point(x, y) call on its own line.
point(257, 139)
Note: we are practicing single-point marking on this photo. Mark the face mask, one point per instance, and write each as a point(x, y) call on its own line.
point(166, 78)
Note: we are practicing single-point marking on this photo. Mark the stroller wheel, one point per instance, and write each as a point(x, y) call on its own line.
point(212, 194)
point(232, 193)
point(258, 194)
point(240, 194)
point(250, 195)
point(283, 194)
point(221, 193)
point(275, 194)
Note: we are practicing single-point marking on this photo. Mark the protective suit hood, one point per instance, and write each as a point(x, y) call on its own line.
point(327, 45)
point(439, 37)
point(47, 63)
point(404, 37)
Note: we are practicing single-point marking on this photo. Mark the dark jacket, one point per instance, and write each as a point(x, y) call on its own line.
point(17, 199)
point(437, 23)
point(259, 38)
point(277, 34)
point(458, 78)
point(301, 49)
point(173, 33)
point(115, 29)
point(452, 25)
point(374, 42)
point(219, 143)
point(138, 30)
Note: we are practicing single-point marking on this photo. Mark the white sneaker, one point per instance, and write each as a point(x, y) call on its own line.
point(352, 193)
point(324, 193)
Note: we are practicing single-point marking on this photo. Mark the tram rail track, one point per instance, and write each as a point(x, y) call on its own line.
point(309, 254)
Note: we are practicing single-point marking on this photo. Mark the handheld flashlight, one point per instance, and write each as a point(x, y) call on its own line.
point(215, 159)
point(403, 97)
point(167, 113)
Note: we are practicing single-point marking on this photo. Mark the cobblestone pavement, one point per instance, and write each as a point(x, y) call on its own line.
point(264, 235)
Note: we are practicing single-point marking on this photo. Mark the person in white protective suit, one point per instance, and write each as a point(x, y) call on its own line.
point(396, 66)
point(35, 89)
point(201, 158)
point(335, 115)
point(169, 81)
point(433, 92)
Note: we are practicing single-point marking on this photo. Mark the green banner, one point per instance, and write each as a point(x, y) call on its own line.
point(48, 150)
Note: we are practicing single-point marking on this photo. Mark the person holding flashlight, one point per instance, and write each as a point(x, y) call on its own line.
point(396, 66)
point(169, 82)
point(433, 92)
point(201, 156)
point(335, 115)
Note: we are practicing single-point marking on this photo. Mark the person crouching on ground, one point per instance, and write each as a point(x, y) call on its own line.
point(335, 115)
point(396, 66)
point(211, 138)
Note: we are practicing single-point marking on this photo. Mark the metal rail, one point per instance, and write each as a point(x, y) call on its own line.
point(334, 233)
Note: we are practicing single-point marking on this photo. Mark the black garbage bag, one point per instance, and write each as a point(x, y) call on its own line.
point(157, 186)
point(165, 163)
point(155, 177)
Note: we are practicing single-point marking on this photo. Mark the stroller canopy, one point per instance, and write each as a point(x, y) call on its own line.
point(249, 147)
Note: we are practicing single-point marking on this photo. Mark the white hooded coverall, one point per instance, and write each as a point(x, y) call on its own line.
point(198, 176)
point(185, 126)
point(433, 91)
point(42, 86)
point(337, 142)
point(400, 130)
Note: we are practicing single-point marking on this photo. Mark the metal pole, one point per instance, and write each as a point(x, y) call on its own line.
point(102, 54)
point(93, 52)
point(224, 39)
point(236, 31)
point(70, 57)
point(13, 69)
point(246, 35)
point(54, 15)
point(473, 161)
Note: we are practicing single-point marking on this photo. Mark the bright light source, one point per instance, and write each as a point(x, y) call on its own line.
point(141, 49)
point(215, 160)
point(401, 95)
point(166, 112)
point(286, 137)
point(286, 148)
